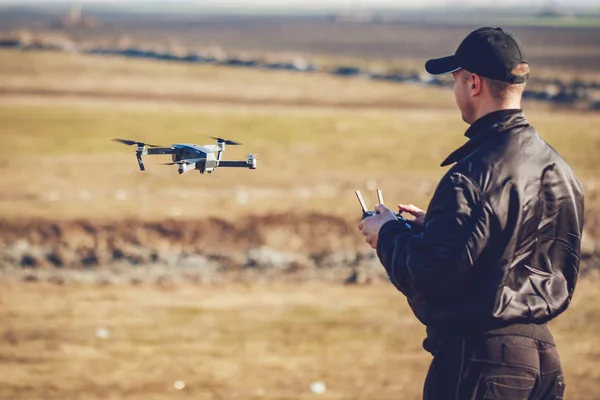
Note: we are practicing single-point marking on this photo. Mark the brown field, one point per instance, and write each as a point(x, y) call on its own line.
point(237, 342)
point(318, 138)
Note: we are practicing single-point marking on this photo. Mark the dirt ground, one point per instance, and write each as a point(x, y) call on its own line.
point(259, 341)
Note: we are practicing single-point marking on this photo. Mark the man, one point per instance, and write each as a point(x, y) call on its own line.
point(496, 255)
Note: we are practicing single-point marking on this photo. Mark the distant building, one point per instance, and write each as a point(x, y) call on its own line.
point(360, 17)
point(75, 18)
point(550, 10)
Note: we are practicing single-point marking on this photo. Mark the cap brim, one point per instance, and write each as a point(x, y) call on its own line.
point(444, 65)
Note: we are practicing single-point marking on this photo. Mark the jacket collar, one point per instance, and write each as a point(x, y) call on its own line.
point(484, 129)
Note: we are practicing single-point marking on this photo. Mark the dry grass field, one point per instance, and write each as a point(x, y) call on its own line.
point(238, 342)
point(318, 139)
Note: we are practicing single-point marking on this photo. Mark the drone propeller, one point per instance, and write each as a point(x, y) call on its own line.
point(226, 141)
point(132, 142)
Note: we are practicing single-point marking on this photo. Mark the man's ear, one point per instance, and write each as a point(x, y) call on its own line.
point(475, 83)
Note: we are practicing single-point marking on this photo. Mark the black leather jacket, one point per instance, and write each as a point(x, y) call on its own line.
point(501, 240)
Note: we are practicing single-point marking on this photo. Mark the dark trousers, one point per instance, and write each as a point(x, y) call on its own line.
point(498, 367)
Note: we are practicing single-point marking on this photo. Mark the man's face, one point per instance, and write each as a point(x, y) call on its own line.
point(464, 101)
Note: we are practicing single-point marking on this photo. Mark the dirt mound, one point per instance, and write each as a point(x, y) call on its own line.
point(39, 243)
point(258, 247)
point(317, 231)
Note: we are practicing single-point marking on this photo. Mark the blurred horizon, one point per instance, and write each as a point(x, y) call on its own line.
point(298, 6)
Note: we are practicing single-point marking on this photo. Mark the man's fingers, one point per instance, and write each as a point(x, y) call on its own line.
point(407, 207)
point(411, 209)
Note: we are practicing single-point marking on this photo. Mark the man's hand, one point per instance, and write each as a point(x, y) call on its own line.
point(370, 226)
point(415, 212)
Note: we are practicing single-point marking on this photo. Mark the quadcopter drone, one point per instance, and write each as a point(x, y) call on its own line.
point(188, 157)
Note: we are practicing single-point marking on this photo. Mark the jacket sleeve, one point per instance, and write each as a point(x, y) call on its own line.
point(434, 262)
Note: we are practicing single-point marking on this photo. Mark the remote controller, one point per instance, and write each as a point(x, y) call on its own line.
point(366, 213)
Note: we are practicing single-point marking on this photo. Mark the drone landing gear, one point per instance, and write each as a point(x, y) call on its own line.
point(138, 155)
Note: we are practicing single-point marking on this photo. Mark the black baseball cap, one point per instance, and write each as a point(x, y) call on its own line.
point(489, 52)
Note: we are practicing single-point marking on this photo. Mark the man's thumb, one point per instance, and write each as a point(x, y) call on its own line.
point(380, 208)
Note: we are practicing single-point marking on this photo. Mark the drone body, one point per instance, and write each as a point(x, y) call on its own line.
point(188, 157)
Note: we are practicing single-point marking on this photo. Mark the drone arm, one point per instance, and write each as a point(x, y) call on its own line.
point(238, 164)
point(234, 164)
